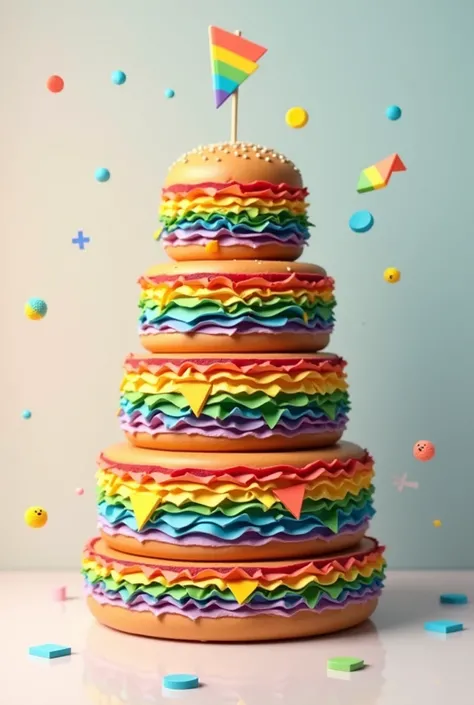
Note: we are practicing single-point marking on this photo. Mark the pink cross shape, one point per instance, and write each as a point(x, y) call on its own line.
point(402, 482)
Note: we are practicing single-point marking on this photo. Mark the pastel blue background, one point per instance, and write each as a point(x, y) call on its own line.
point(409, 346)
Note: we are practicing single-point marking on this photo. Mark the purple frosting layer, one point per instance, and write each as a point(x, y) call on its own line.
point(249, 538)
point(241, 329)
point(220, 608)
point(233, 428)
point(225, 238)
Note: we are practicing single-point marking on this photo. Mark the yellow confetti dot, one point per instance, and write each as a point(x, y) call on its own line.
point(437, 523)
point(392, 275)
point(212, 247)
point(296, 117)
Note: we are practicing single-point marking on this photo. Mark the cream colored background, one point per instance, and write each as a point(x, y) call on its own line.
point(409, 346)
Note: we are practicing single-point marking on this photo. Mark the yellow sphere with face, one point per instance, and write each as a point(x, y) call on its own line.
point(36, 517)
point(392, 275)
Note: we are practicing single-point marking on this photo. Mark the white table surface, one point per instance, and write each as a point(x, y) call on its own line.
point(406, 664)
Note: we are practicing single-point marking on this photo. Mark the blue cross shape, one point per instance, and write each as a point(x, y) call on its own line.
point(80, 240)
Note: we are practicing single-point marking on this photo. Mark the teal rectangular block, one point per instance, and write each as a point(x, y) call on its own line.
point(444, 626)
point(49, 651)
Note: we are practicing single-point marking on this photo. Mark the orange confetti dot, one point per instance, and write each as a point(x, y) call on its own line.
point(55, 84)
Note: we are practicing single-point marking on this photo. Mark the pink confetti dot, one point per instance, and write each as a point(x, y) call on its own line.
point(79, 491)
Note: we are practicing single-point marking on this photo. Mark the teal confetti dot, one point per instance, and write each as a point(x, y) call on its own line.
point(102, 175)
point(169, 93)
point(26, 414)
point(361, 221)
point(39, 306)
point(118, 77)
point(180, 681)
point(393, 112)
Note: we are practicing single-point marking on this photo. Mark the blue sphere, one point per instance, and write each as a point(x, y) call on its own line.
point(393, 112)
point(39, 306)
point(102, 174)
point(169, 93)
point(118, 77)
point(26, 414)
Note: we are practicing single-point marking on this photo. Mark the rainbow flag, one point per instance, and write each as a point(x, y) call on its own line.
point(233, 59)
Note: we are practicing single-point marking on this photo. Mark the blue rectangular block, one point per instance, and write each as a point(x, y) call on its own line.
point(453, 598)
point(49, 650)
point(444, 626)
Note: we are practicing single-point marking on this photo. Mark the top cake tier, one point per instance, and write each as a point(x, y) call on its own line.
point(234, 201)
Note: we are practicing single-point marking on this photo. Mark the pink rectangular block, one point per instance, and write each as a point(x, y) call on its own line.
point(59, 594)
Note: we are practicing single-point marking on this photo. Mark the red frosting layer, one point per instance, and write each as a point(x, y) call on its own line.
point(369, 551)
point(257, 189)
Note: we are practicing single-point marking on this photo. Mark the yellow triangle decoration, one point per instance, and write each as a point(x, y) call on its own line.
point(196, 394)
point(143, 505)
point(243, 589)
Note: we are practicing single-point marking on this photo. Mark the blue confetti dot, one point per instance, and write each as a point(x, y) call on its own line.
point(118, 77)
point(180, 681)
point(361, 221)
point(102, 175)
point(393, 112)
point(26, 414)
point(169, 93)
point(38, 305)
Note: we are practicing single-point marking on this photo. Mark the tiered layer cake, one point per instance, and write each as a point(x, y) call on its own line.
point(234, 512)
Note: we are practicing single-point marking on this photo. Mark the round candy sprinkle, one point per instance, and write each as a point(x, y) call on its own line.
point(361, 221)
point(36, 517)
point(180, 681)
point(79, 491)
point(102, 174)
point(424, 451)
point(118, 77)
point(393, 112)
point(35, 309)
point(296, 117)
point(26, 414)
point(169, 93)
point(392, 275)
point(437, 523)
point(55, 84)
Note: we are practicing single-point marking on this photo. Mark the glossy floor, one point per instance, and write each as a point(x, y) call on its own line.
point(406, 664)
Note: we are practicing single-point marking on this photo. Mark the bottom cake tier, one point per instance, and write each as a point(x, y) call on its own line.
point(259, 601)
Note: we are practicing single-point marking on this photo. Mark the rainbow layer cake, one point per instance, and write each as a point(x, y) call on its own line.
point(232, 306)
point(220, 203)
point(231, 601)
point(229, 506)
point(244, 402)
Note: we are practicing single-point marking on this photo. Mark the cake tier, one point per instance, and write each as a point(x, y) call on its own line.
point(234, 506)
point(244, 402)
point(234, 201)
point(232, 306)
point(232, 601)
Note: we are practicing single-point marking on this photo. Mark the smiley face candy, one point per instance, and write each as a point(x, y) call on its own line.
point(36, 517)
point(424, 451)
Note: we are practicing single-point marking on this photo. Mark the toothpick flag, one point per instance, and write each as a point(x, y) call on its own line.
point(233, 59)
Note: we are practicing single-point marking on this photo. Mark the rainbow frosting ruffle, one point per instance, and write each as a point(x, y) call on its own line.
point(236, 505)
point(252, 215)
point(228, 304)
point(225, 590)
point(234, 398)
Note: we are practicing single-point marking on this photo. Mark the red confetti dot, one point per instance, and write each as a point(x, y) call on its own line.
point(55, 84)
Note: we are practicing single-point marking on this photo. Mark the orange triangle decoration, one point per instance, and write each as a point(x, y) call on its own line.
point(387, 166)
point(143, 505)
point(292, 498)
point(196, 394)
point(243, 589)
